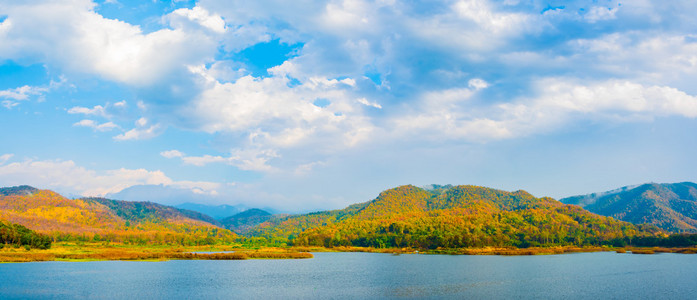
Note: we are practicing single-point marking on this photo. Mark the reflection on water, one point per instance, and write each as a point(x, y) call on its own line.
point(363, 275)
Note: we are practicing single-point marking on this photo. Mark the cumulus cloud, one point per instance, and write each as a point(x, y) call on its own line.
point(97, 110)
point(615, 97)
point(273, 114)
point(365, 102)
point(67, 176)
point(110, 48)
point(5, 157)
point(244, 159)
point(96, 126)
point(13, 96)
point(558, 102)
point(141, 132)
point(477, 84)
point(634, 54)
point(171, 153)
point(200, 16)
point(600, 13)
point(481, 13)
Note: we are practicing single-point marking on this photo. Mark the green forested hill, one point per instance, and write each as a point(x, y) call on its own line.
point(460, 216)
point(18, 235)
point(244, 221)
point(670, 206)
point(140, 211)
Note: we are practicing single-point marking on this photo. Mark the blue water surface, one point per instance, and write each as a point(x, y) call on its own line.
point(604, 275)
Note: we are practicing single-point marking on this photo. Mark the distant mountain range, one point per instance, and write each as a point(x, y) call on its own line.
point(451, 217)
point(48, 212)
point(218, 212)
point(246, 220)
point(670, 206)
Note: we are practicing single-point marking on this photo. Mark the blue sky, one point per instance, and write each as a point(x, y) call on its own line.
point(311, 105)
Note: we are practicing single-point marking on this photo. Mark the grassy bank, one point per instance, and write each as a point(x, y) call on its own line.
point(97, 251)
point(101, 251)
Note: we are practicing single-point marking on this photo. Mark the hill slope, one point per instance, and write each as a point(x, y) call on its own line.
point(460, 216)
point(218, 212)
point(96, 218)
point(671, 206)
point(244, 221)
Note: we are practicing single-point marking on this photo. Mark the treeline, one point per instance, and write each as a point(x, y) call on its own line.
point(192, 238)
point(673, 240)
point(18, 235)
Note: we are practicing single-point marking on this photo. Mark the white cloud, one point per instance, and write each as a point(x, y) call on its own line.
point(365, 102)
point(69, 177)
point(97, 110)
point(96, 126)
point(477, 84)
point(140, 133)
point(199, 16)
point(142, 122)
point(615, 97)
point(22, 93)
point(658, 58)
point(273, 114)
point(171, 153)
point(559, 102)
point(13, 96)
point(481, 13)
point(600, 13)
point(5, 157)
point(72, 36)
point(9, 104)
point(244, 159)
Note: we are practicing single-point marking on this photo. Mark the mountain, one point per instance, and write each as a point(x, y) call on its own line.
point(244, 221)
point(218, 212)
point(450, 216)
point(140, 211)
point(670, 206)
point(167, 195)
point(47, 212)
point(22, 190)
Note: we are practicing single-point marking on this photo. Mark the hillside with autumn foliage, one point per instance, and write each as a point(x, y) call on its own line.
point(99, 219)
point(670, 206)
point(452, 217)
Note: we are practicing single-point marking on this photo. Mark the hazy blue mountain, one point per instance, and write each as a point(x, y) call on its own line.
point(22, 190)
point(218, 212)
point(244, 221)
point(671, 206)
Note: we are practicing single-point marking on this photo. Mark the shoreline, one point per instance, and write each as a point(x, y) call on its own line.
point(122, 252)
point(506, 251)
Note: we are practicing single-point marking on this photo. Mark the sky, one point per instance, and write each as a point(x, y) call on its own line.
point(311, 105)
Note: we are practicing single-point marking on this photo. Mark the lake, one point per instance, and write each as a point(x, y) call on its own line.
point(604, 275)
